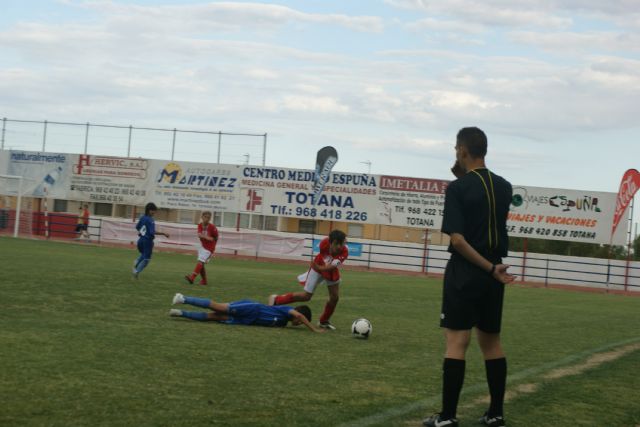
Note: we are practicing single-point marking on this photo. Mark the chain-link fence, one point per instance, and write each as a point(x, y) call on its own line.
point(132, 141)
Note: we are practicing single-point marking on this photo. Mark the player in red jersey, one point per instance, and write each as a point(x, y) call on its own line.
point(208, 235)
point(324, 268)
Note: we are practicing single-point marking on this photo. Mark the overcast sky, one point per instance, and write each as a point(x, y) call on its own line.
point(555, 84)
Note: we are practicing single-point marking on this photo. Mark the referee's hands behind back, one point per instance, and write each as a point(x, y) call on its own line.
point(501, 274)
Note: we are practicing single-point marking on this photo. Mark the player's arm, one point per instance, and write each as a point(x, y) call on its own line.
point(320, 268)
point(162, 233)
point(499, 272)
point(300, 317)
point(209, 237)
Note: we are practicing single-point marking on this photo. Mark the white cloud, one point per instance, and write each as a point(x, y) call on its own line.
point(223, 16)
point(614, 73)
point(307, 104)
point(574, 42)
point(490, 12)
point(432, 24)
point(242, 66)
point(262, 74)
point(460, 100)
point(434, 148)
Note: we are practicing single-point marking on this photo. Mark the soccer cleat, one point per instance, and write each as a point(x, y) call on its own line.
point(272, 299)
point(203, 283)
point(189, 278)
point(327, 325)
point(174, 312)
point(178, 299)
point(497, 421)
point(134, 273)
point(436, 421)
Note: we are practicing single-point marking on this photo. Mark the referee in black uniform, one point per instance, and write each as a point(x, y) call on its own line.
point(475, 216)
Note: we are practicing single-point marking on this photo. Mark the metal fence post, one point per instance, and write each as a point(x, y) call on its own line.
point(173, 144)
point(525, 244)
point(44, 136)
point(369, 257)
point(425, 252)
point(219, 144)
point(264, 149)
point(129, 143)
point(86, 138)
point(4, 127)
point(546, 274)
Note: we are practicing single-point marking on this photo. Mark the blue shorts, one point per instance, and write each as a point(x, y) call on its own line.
point(145, 247)
point(243, 312)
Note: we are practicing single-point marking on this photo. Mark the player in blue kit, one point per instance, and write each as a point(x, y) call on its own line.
point(146, 227)
point(244, 312)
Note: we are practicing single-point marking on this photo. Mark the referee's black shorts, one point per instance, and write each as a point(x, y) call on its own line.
point(470, 297)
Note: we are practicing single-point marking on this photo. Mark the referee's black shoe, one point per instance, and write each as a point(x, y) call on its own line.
point(497, 421)
point(435, 421)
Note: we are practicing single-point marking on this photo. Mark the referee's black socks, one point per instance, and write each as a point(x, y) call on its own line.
point(496, 379)
point(452, 380)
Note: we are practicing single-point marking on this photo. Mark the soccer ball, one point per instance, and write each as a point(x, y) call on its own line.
point(361, 328)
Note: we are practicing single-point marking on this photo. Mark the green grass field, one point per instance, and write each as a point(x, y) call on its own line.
point(82, 343)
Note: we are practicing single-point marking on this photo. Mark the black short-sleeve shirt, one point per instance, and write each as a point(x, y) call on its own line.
point(477, 208)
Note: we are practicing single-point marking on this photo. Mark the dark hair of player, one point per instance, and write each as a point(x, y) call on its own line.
point(304, 310)
point(337, 236)
point(474, 140)
point(150, 207)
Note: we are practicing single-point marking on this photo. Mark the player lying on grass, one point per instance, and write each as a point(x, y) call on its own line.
point(244, 312)
point(324, 269)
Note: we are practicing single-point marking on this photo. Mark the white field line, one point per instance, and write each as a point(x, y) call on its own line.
point(431, 401)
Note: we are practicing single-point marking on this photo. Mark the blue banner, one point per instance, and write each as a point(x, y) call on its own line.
point(355, 249)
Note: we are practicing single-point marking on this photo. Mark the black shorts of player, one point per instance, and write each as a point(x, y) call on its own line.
point(470, 297)
point(80, 227)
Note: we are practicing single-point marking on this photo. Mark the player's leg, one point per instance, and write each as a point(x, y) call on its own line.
point(457, 342)
point(312, 280)
point(202, 316)
point(203, 257)
point(453, 370)
point(488, 330)
point(196, 271)
point(490, 345)
point(218, 307)
point(456, 318)
point(203, 274)
point(242, 312)
point(289, 298)
point(138, 260)
point(495, 364)
point(147, 251)
point(330, 306)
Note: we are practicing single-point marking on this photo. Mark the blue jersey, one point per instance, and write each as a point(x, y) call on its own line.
point(146, 227)
point(249, 312)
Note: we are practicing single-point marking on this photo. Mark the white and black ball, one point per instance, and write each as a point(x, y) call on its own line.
point(361, 328)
